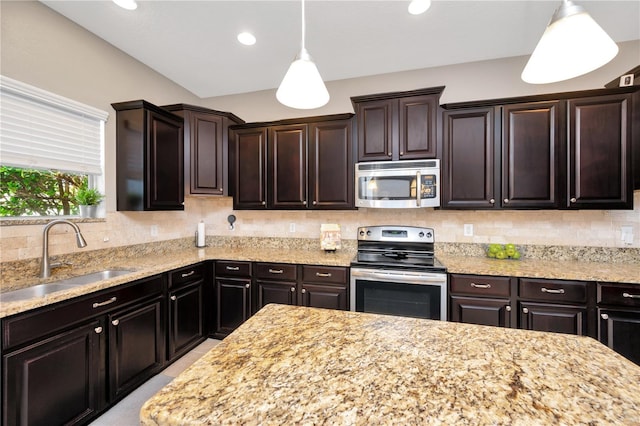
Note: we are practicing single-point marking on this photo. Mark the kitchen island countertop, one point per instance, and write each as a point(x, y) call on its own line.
point(296, 365)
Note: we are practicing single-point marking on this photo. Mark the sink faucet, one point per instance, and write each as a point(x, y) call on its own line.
point(45, 265)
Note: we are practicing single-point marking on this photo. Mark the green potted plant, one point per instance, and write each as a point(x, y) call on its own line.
point(88, 200)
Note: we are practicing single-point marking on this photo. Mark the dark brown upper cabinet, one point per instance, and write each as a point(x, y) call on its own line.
point(205, 148)
point(600, 152)
point(398, 125)
point(149, 157)
point(559, 151)
point(294, 164)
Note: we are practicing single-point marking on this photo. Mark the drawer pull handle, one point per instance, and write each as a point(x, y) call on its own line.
point(106, 302)
point(276, 271)
point(233, 268)
point(604, 316)
point(115, 322)
point(474, 285)
point(323, 275)
point(174, 298)
point(188, 274)
point(552, 291)
point(98, 330)
point(631, 296)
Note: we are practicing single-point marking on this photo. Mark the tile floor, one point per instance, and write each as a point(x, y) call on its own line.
point(125, 413)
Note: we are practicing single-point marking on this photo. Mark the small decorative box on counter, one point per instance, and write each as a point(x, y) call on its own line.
point(330, 237)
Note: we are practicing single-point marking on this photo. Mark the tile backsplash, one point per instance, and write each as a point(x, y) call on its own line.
point(584, 228)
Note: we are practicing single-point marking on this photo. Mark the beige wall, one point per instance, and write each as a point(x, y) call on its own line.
point(42, 48)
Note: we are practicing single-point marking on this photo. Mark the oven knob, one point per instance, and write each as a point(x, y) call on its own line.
point(429, 235)
point(421, 234)
point(361, 232)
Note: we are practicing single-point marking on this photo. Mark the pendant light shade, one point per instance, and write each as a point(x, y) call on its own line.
point(573, 44)
point(302, 86)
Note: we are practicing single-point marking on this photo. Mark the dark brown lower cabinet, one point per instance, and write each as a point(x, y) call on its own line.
point(58, 380)
point(324, 296)
point(186, 318)
point(281, 292)
point(136, 346)
point(554, 318)
point(620, 330)
point(483, 311)
point(233, 297)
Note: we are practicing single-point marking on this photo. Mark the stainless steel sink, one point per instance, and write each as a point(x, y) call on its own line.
point(42, 290)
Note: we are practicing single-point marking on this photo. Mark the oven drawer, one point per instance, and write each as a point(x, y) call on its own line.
point(553, 290)
point(480, 285)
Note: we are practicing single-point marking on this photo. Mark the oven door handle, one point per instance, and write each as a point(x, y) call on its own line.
point(419, 278)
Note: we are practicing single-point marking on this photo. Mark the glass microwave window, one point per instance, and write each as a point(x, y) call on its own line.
point(386, 188)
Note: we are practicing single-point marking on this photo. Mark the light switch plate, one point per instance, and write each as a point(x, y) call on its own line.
point(468, 230)
point(626, 234)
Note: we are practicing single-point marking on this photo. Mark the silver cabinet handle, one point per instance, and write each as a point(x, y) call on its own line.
point(233, 268)
point(492, 201)
point(98, 330)
point(525, 310)
point(631, 296)
point(323, 275)
point(174, 298)
point(115, 322)
point(247, 285)
point(188, 274)
point(573, 200)
point(263, 203)
point(304, 291)
point(506, 201)
point(106, 302)
point(293, 289)
point(474, 285)
point(388, 154)
point(604, 316)
point(552, 291)
point(315, 202)
point(508, 308)
point(276, 271)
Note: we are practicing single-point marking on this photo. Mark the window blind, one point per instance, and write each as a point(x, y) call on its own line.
point(42, 130)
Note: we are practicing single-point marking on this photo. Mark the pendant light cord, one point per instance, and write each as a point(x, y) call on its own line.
point(303, 26)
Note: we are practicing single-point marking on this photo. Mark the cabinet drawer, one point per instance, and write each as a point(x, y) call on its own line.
point(279, 271)
point(324, 274)
point(35, 324)
point(619, 294)
point(480, 285)
point(228, 268)
point(553, 290)
point(186, 275)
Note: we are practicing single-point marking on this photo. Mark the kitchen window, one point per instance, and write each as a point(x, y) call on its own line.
point(49, 145)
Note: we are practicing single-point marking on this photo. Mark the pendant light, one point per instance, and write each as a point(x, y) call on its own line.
point(302, 87)
point(573, 44)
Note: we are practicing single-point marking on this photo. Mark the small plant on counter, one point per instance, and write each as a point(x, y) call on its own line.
point(507, 251)
point(88, 196)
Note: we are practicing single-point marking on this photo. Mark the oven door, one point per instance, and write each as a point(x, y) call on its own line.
point(399, 292)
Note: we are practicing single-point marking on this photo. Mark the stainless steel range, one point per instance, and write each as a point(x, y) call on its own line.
point(396, 273)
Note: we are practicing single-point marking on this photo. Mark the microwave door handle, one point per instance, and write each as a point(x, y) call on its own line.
point(418, 189)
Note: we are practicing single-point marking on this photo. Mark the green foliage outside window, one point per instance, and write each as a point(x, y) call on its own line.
point(38, 192)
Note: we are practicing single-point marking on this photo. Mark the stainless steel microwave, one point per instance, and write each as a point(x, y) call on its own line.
point(398, 184)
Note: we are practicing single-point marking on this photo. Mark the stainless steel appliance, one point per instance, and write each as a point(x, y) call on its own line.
point(398, 184)
point(395, 272)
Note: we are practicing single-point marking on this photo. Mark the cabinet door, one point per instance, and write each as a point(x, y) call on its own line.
point(417, 126)
point(554, 318)
point(248, 168)
point(206, 154)
point(186, 326)
point(165, 176)
point(281, 292)
point(331, 175)
point(233, 298)
point(620, 330)
point(376, 130)
point(323, 296)
point(59, 380)
point(496, 312)
point(136, 346)
point(600, 153)
point(531, 155)
point(469, 159)
point(287, 167)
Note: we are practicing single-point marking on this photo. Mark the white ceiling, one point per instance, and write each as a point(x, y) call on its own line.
point(194, 43)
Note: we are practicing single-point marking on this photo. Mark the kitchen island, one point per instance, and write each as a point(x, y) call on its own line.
point(296, 365)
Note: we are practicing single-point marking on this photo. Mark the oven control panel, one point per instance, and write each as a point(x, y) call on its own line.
point(410, 234)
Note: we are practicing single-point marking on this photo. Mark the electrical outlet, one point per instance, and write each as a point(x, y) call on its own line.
point(292, 227)
point(154, 230)
point(626, 234)
point(468, 230)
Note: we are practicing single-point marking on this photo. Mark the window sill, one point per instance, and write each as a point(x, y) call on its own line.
point(15, 221)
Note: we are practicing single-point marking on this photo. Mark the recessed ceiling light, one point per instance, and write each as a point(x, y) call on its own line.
point(127, 4)
point(417, 7)
point(247, 39)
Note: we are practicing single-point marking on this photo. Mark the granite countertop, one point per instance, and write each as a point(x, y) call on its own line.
point(296, 365)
